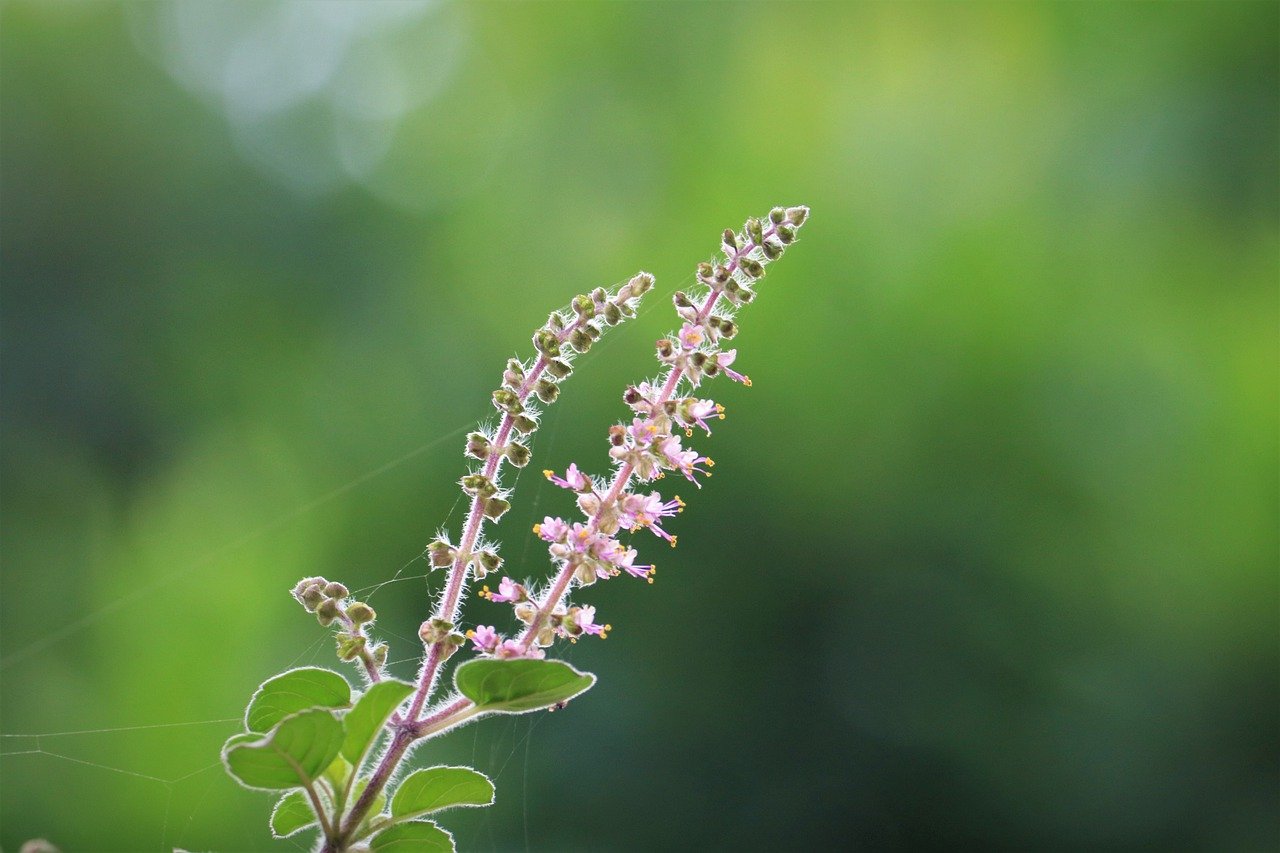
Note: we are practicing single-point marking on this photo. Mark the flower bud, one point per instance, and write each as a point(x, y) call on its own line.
point(612, 314)
point(771, 250)
point(327, 611)
point(559, 368)
point(547, 390)
point(786, 234)
point(730, 241)
point(546, 636)
point(513, 376)
point(727, 328)
point(350, 645)
point(640, 284)
point(379, 653)
point(517, 454)
point(617, 435)
point(797, 215)
point(301, 586)
point(506, 400)
point(478, 446)
point(434, 630)
point(546, 342)
point(754, 230)
point(360, 613)
point(777, 215)
point(580, 340)
point(584, 307)
point(336, 590)
point(745, 295)
point(525, 612)
point(681, 299)
point(524, 423)
point(665, 349)
point(752, 267)
point(312, 596)
point(478, 484)
point(487, 561)
point(631, 396)
point(555, 322)
point(495, 508)
point(441, 553)
point(722, 273)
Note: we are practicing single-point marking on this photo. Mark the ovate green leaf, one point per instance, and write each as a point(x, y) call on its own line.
point(292, 814)
point(439, 788)
point(291, 755)
point(294, 691)
point(371, 711)
point(412, 837)
point(516, 686)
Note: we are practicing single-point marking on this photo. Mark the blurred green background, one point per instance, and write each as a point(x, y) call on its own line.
point(990, 557)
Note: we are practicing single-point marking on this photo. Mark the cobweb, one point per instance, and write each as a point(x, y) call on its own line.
point(169, 771)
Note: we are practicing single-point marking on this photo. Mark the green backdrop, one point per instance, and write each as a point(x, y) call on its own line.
point(990, 557)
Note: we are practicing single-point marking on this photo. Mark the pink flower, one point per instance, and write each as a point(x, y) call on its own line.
point(697, 412)
point(724, 359)
point(645, 510)
point(691, 336)
point(484, 637)
point(508, 591)
point(584, 618)
point(552, 529)
point(513, 649)
point(573, 479)
point(627, 563)
point(644, 432)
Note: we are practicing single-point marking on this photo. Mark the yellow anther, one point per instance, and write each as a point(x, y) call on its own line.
point(746, 380)
point(721, 416)
point(680, 502)
point(470, 634)
point(484, 591)
point(673, 541)
point(711, 463)
point(537, 529)
point(548, 473)
point(719, 408)
point(688, 433)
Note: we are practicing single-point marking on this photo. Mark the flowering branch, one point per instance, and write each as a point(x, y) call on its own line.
point(306, 736)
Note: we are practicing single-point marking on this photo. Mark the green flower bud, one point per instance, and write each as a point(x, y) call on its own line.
point(777, 215)
point(797, 215)
point(546, 342)
point(580, 340)
point(441, 553)
point(786, 234)
point(434, 630)
point(487, 561)
point(478, 484)
point(379, 653)
point(336, 590)
point(495, 508)
point(301, 586)
point(478, 446)
point(752, 267)
point(754, 230)
point(327, 611)
point(555, 322)
point(350, 645)
point(524, 423)
point(640, 284)
point(584, 307)
point(312, 596)
point(730, 241)
point(517, 454)
point(612, 314)
point(665, 349)
point(547, 390)
point(771, 250)
point(559, 368)
point(728, 329)
point(506, 400)
point(360, 613)
point(681, 299)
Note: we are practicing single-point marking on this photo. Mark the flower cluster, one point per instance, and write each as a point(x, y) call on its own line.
point(330, 602)
point(645, 449)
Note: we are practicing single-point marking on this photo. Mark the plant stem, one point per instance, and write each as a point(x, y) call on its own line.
point(448, 609)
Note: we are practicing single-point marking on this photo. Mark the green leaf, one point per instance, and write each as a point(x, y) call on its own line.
point(292, 814)
point(412, 837)
point(366, 719)
point(516, 686)
point(291, 755)
point(425, 791)
point(294, 691)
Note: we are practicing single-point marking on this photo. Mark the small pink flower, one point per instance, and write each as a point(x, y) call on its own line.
point(584, 618)
point(513, 649)
point(691, 336)
point(573, 479)
point(698, 411)
point(644, 432)
point(627, 564)
point(724, 359)
point(552, 529)
point(484, 637)
point(508, 591)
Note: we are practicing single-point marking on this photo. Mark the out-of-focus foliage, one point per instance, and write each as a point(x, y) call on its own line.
point(991, 553)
